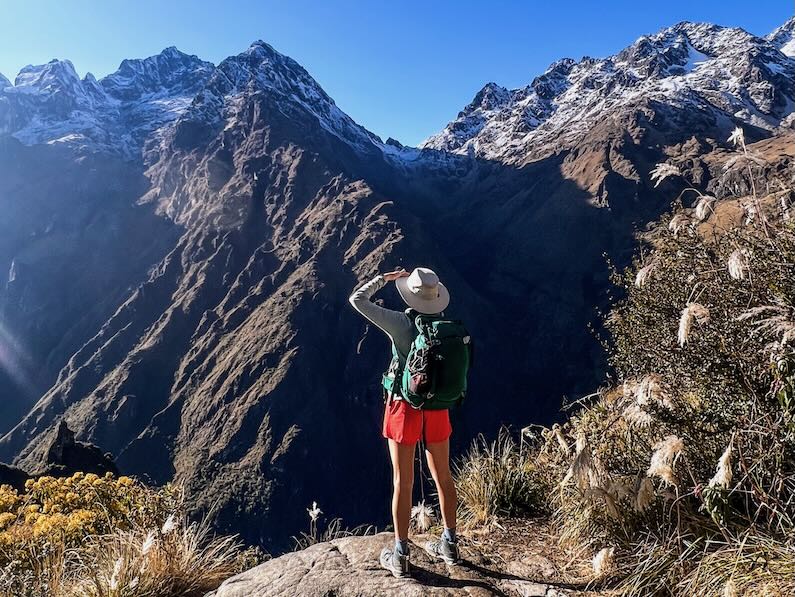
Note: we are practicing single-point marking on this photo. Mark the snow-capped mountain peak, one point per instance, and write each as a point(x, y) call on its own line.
point(50, 104)
point(491, 97)
point(56, 75)
point(553, 81)
point(122, 111)
point(170, 72)
point(784, 38)
point(669, 53)
point(261, 66)
point(723, 71)
point(262, 69)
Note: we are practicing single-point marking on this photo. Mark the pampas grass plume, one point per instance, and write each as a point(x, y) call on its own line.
point(723, 471)
point(604, 562)
point(662, 171)
point(693, 312)
point(666, 453)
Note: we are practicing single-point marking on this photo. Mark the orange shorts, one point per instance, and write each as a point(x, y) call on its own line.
point(406, 424)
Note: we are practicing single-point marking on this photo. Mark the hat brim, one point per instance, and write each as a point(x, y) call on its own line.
point(425, 306)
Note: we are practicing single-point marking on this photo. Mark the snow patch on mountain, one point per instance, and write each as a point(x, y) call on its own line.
point(694, 60)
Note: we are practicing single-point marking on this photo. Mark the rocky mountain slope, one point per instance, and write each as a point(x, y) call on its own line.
point(178, 293)
point(73, 245)
point(783, 38)
point(234, 360)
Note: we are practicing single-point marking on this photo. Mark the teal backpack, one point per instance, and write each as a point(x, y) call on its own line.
point(434, 376)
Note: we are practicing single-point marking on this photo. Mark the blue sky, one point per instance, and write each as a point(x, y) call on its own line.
point(400, 68)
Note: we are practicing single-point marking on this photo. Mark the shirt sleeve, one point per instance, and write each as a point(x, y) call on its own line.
point(389, 321)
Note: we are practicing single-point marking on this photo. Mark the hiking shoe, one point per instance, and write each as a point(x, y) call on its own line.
point(397, 564)
point(444, 550)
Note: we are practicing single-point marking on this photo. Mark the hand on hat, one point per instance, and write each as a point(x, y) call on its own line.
point(398, 273)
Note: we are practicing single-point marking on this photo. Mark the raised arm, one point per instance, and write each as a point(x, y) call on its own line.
point(391, 322)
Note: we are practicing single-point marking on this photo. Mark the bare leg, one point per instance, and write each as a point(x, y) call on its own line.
point(402, 456)
point(438, 456)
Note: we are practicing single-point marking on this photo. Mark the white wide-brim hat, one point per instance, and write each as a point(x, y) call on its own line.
point(422, 291)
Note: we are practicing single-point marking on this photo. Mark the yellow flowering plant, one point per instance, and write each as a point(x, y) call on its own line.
point(54, 517)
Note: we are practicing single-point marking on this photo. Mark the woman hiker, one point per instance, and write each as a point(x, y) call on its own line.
point(404, 425)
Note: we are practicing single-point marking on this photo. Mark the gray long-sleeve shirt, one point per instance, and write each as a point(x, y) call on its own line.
point(395, 324)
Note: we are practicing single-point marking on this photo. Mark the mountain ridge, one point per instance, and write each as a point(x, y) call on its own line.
point(50, 104)
point(678, 64)
point(784, 37)
point(668, 54)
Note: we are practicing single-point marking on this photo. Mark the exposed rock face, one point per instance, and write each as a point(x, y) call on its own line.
point(60, 455)
point(178, 296)
point(349, 568)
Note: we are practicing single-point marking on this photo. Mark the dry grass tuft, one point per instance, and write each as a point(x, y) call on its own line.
point(334, 529)
point(186, 561)
point(496, 479)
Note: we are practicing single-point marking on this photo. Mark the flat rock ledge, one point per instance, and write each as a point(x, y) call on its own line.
point(349, 567)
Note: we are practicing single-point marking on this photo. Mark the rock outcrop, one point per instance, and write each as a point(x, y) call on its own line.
point(59, 455)
point(349, 567)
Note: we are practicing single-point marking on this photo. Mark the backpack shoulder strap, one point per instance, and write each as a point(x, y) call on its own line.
point(421, 321)
point(415, 317)
point(425, 317)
